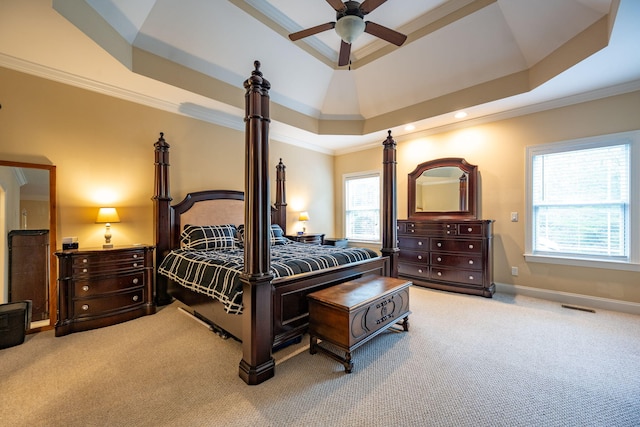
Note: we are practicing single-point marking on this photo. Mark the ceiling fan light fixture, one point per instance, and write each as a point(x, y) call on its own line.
point(350, 27)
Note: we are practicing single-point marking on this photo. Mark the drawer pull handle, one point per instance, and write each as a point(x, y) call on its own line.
point(85, 288)
point(439, 244)
point(439, 273)
point(470, 261)
point(84, 270)
point(85, 307)
point(448, 232)
point(448, 225)
point(135, 264)
point(419, 270)
point(419, 243)
point(135, 255)
point(439, 259)
point(469, 229)
point(135, 298)
point(419, 256)
point(470, 277)
point(413, 231)
point(84, 260)
point(470, 246)
point(135, 281)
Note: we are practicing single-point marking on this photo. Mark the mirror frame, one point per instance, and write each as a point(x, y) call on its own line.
point(471, 190)
point(53, 276)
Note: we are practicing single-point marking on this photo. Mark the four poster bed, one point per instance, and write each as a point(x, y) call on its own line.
point(267, 277)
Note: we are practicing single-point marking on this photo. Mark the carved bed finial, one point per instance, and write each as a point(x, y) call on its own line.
point(389, 142)
point(161, 143)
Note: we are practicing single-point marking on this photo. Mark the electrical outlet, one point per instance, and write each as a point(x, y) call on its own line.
point(514, 271)
point(514, 216)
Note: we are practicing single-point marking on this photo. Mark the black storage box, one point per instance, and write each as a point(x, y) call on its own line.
point(15, 318)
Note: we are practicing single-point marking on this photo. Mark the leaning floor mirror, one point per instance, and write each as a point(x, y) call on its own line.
point(28, 239)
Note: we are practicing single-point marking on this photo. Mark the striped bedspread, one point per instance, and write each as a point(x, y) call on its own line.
point(217, 272)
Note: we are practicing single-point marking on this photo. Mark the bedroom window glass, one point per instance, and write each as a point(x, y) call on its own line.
point(581, 201)
point(362, 207)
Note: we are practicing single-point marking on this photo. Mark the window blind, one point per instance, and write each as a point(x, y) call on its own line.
point(580, 201)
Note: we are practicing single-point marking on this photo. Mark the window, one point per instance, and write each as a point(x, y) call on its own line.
point(362, 206)
point(582, 202)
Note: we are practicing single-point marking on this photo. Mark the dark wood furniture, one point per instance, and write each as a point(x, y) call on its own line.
point(350, 314)
point(29, 270)
point(270, 306)
point(102, 287)
point(310, 238)
point(443, 189)
point(443, 244)
point(339, 242)
point(452, 255)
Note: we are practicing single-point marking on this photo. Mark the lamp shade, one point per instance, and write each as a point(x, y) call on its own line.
point(304, 216)
point(350, 27)
point(107, 215)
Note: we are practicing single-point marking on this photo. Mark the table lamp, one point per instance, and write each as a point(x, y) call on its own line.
point(304, 217)
point(107, 216)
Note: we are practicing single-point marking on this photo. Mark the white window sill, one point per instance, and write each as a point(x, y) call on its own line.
point(583, 262)
point(368, 242)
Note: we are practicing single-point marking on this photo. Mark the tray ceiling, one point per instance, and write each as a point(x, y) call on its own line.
point(487, 57)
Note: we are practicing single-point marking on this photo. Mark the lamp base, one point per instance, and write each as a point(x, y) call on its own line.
point(107, 246)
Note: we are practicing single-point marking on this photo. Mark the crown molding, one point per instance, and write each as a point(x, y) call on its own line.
point(236, 122)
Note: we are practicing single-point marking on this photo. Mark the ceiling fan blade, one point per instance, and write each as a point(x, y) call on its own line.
point(345, 52)
point(385, 33)
point(311, 31)
point(337, 5)
point(368, 6)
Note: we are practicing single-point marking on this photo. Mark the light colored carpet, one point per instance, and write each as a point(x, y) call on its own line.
point(466, 361)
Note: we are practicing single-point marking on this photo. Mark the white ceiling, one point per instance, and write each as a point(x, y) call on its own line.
point(492, 58)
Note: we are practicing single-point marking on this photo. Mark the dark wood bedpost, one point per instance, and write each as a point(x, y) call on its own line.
point(161, 216)
point(390, 210)
point(280, 215)
point(257, 364)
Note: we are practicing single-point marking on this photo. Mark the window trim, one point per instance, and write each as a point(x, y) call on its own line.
point(633, 263)
point(355, 175)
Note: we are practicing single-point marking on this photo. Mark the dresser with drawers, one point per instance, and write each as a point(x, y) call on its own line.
point(102, 287)
point(451, 255)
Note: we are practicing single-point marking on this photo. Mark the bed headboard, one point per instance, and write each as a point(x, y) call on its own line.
point(213, 207)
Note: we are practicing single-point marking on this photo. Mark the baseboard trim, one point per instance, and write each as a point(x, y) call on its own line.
point(570, 298)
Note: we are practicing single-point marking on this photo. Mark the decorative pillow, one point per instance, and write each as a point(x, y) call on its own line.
point(277, 235)
point(208, 237)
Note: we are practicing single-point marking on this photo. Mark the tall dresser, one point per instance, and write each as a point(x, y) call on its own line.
point(102, 287)
point(452, 255)
point(29, 270)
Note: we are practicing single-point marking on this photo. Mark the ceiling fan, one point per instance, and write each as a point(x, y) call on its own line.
point(350, 25)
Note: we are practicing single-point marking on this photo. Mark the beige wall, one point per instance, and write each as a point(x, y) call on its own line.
point(498, 149)
point(104, 145)
point(103, 151)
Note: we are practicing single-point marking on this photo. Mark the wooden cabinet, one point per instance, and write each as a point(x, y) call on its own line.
point(313, 239)
point(351, 313)
point(452, 255)
point(102, 287)
point(29, 270)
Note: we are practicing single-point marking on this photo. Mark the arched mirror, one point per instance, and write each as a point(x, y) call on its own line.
point(443, 189)
point(28, 239)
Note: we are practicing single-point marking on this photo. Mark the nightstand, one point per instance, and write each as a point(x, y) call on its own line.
point(312, 239)
point(339, 242)
point(102, 287)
